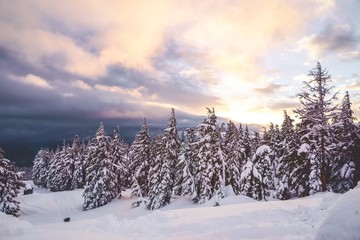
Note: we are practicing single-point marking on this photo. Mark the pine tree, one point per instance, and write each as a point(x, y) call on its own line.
point(167, 154)
point(58, 177)
point(315, 112)
point(210, 172)
point(140, 160)
point(10, 183)
point(299, 176)
point(119, 152)
point(287, 159)
point(40, 168)
point(185, 168)
point(159, 193)
point(255, 142)
point(233, 161)
point(101, 180)
point(245, 145)
point(76, 153)
point(343, 166)
point(263, 164)
point(250, 180)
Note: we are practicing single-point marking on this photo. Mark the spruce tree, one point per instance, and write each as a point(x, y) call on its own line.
point(263, 164)
point(245, 145)
point(159, 193)
point(314, 113)
point(101, 184)
point(58, 178)
point(40, 168)
point(119, 153)
point(287, 159)
point(210, 172)
point(167, 154)
point(76, 153)
point(345, 131)
point(185, 168)
point(250, 180)
point(139, 161)
point(233, 161)
point(10, 183)
point(299, 176)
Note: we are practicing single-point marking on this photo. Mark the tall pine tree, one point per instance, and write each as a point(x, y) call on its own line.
point(101, 184)
point(40, 168)
point(315, 111)
point(345, 131)
point(233, 161)
point(140, 160)
point(167, 154)
point(185, 168)
point(210, 172)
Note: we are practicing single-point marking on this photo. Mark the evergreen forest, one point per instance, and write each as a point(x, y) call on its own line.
point(319, 152)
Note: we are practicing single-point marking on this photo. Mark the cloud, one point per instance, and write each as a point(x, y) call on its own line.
point(33, 80)
point(340, 39)
point(86, 38)
point(269, 89)
point(81, 84)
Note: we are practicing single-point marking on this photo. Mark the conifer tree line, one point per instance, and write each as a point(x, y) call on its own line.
point(319, 153)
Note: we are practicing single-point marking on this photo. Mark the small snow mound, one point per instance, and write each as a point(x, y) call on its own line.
point(12, 226)
point(343, 219)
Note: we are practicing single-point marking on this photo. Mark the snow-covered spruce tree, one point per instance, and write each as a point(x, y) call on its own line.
point(40, 168)
point(54, 157)
point(287, 159)
point(76, 153)
point(210, 172)
point(250, 180)
point(255, 142)
point(62, 170)
point(167, 154)
point(159, 193)
point(101, 184)
point(343, 166)
point(119, 152)
point(245, 144)
point(314, 113)
point(10, 183)
point(263, 164)
point(58, 178)
point(300, 174)
point(139, 162)
point(233, 161)
point(273, 139)
point(185, 168)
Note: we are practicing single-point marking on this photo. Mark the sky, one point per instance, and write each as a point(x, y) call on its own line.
point(67, 65)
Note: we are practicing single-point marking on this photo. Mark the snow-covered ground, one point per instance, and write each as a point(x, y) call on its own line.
point(322, 216)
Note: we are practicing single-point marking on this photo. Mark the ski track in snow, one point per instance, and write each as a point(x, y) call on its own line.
point(238, 217)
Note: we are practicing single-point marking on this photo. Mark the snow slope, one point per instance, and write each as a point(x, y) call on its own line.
point(238, 217)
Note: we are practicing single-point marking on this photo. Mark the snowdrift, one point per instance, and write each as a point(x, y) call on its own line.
point(322, 216)
point(343, 220)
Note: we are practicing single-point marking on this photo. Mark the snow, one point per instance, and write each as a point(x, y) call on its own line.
point(262, 150)
point(343, 220)
point(321, 216)
point(304, 148)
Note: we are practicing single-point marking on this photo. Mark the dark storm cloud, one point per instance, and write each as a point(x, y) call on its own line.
point(33, 116)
